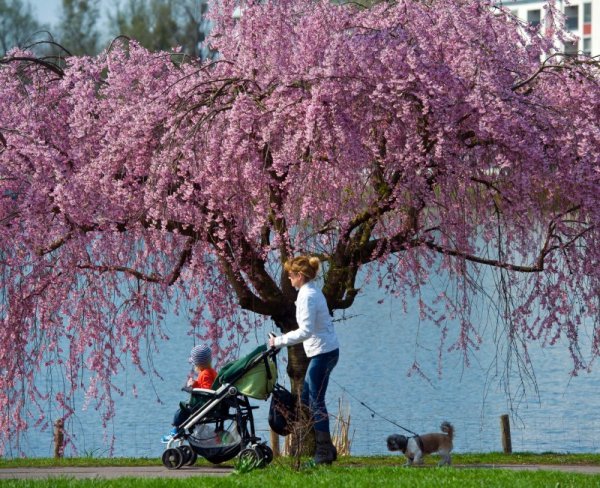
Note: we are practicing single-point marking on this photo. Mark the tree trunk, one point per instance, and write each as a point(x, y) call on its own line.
point(296, 368)
point(303, 439)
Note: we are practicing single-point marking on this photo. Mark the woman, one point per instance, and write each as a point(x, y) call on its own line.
point(315, 332)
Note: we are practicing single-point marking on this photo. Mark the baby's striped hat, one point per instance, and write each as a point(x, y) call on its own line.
point(200, 355)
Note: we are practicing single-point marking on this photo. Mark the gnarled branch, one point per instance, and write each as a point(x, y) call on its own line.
point(169, 280)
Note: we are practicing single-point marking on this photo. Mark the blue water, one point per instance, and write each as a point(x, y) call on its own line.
point(379, 344)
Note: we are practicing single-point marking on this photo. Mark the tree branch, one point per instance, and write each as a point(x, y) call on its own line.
point(246, 298)
point(251, 264)
point(151, 278)
point(537, 267)
point(277, 222)
point(46, 64)
point(545, 67)
point(169, 280)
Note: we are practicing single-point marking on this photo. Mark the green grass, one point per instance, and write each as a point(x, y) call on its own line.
point(343, 477)
point(482, 459)
point(348, 472)
point(528, 458)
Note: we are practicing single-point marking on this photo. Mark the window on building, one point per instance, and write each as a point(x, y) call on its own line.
point(572, 14)
point(534, 17)
point(572, 48)
point(587, 13)
point(587, 46)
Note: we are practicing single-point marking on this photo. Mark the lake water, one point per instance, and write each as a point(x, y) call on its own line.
point(379, 343)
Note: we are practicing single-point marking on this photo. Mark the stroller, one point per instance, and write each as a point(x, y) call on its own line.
point(221, 425)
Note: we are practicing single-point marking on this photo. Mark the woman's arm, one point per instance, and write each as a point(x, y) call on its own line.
point(305, 316)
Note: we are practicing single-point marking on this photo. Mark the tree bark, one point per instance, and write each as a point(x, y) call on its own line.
point(303, 439)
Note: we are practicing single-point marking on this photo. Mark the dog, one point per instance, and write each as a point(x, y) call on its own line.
point(414, 448)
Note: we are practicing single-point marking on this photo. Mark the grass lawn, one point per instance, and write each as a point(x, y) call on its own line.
point(483, 458)
point(348, 472)
point(340, 476)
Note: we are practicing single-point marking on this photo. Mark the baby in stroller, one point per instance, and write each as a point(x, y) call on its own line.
point(218, 423)
point(201, 358)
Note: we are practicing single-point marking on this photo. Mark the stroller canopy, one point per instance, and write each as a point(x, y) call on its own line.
point(254, 375)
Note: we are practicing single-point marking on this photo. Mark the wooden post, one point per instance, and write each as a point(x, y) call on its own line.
point(59, 438)
point(505, 432)
point(275, 444)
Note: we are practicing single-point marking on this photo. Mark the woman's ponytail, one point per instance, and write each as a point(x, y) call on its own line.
point(306, 265)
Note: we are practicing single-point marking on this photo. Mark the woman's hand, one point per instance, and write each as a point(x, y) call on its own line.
point(190, 382)
point(271, 341)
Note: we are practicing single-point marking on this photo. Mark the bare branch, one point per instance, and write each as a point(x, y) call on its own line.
point(183, 258)
point(151, 278)
point(539, 266)
point(46, 64)
point(543, 67)
point(246, 298)
point(55, 245)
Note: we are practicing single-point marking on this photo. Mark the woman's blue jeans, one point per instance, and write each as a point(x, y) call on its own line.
point(315, 387)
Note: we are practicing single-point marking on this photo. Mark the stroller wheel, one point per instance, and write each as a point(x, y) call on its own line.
point(252, 456)
point(267, 453)
point(189, 455)
point(172, 458)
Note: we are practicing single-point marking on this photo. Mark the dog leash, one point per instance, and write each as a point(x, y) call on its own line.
point(373, 412)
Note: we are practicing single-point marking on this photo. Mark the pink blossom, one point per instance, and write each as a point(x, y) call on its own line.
point(413, 137)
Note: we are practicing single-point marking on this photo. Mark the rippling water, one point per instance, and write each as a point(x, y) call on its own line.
point(379, 344)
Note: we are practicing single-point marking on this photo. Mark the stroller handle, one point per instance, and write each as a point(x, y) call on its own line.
point(272, 351)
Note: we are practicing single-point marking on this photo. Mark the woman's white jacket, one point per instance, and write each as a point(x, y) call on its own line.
point(315, 327)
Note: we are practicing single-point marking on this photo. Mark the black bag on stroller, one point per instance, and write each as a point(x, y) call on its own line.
point(282, 411)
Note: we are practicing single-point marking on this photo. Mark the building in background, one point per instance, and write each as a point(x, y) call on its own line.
point(582, 19)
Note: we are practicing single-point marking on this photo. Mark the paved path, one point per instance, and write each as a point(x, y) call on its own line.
point(113, 472)
point(161, 472)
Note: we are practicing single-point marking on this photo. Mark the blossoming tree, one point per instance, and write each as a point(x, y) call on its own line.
point(408, 138)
